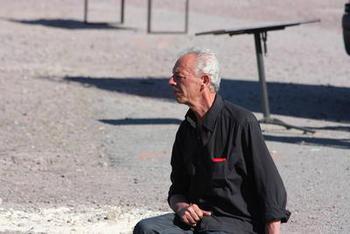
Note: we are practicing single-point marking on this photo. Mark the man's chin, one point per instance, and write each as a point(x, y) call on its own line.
point(180, 100)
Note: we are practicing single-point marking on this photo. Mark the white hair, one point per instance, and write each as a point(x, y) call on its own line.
point(207, 63)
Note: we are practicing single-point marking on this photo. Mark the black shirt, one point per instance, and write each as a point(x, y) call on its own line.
point(224, 166)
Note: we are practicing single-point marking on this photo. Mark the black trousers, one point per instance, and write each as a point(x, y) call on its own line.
point(167, 224)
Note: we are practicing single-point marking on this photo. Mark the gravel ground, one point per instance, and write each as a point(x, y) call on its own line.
point(87, 120)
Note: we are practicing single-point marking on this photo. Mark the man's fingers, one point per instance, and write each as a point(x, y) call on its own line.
point(189, 218)
point(185, 220)
point(197, 210)
point(194, 214)
point(206, 213)
point(200, 213)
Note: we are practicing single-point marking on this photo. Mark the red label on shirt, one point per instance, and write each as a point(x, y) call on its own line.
point(218, 159)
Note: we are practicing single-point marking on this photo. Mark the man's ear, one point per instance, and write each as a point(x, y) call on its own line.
point(206, 80)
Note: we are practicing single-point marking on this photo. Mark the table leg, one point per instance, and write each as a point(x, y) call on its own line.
point(261, 70)
point(186, 16)
point(122, 11)
point(85, 10)
point(149, 16)
point(264, 94)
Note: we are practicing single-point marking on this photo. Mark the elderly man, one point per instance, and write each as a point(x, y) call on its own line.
point(223, 177)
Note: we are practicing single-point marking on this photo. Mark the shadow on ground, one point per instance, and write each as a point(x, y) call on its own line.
point(316, 141)
point(334, 128)
point(70, 24)
point(141, 121)
point(298, 100)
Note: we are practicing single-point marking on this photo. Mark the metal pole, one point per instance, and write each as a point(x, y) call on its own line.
point(85, 11)
point(260, 61)
point(122, 12)
point(149, 16)
point(186, 16)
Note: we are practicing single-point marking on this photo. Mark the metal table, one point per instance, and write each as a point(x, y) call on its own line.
point(149, 19)
point(86, 9)
point(149, 16)
point(260, 33)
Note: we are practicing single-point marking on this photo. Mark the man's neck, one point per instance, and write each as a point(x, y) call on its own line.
point(202, 105)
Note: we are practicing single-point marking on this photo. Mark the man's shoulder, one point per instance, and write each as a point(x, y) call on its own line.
point(185, 125)
point(237, 113)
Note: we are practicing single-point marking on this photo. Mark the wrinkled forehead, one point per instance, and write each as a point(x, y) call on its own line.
point(185, 63)
point(178, 67)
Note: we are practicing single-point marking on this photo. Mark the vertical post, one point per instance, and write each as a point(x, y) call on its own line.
point(122, 11)
point(186, 16)
point(149, 13)
point(85, 10)
point(260, 61)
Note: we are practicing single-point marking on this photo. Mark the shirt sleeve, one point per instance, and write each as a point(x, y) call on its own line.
point(179, 178)
point(267, 181)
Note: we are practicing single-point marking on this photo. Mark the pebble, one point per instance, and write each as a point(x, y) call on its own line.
point(112, 215)
point(102, 164)
point(315, 149)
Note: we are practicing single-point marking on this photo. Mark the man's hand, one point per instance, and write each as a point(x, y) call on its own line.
point(188, 213)
point(273, 227)
point(192, 214)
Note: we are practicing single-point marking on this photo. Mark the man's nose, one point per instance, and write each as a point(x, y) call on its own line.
point(171, 81)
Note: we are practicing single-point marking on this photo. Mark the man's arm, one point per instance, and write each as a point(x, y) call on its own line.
point(269, 186)
point(180, 182)
point(178, 202)
point(273, 227)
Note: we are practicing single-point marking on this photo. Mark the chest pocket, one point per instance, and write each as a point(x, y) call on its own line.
point(221, 166)
point(218, 170)
point(218, 159)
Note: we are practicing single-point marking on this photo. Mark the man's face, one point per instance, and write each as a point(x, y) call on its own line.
point(185, 83)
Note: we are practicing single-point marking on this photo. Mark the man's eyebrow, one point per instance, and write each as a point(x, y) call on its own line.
point(177, 73)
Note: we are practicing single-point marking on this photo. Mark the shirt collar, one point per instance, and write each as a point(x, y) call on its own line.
point(210, 116)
